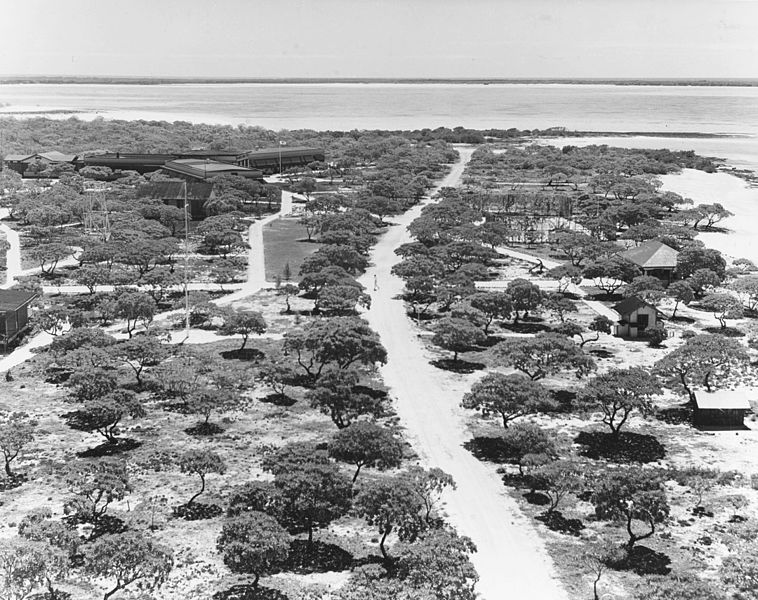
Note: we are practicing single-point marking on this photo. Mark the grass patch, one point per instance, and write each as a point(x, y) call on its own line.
point(285, 241)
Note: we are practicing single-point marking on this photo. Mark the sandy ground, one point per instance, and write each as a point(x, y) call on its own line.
point(13, 256)
point(735, 195)
point(511, 559)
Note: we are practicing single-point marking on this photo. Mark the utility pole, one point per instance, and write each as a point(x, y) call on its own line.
point(186, 266)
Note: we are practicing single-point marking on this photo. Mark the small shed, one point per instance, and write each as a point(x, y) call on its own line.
point(721, 408)
point(14, 314)
point(172, 193)
point(635, 316)
point(654, 258)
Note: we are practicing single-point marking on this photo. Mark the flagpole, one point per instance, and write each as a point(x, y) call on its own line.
point(186, 265)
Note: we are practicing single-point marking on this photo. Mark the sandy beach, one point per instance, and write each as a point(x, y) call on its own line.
point(737, 196)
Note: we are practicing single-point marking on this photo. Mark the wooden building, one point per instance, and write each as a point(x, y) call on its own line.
point(635, 316)
point(172, 193)
point(274, 160)
point(198, 169)
point(149, 162)
point(654, 258)
point(30, 165)
point(721, 408)
point(14, 315)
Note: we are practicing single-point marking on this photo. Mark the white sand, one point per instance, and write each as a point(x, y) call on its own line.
point(736, 196)
point(511, 560)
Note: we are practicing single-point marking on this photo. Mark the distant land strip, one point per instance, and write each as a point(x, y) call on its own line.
point(56, 79)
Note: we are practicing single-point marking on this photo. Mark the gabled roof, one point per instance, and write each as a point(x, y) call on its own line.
point(174, 190)
point(723, 400)
point(17, 157)
point(55, 156)
point(285, 151)
point(628, 305)
point(204, 169)
point(652, 255)
point(15, 299)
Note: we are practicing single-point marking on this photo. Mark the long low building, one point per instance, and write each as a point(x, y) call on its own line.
point(149, 162)
point(198, 169)
point(274, 160)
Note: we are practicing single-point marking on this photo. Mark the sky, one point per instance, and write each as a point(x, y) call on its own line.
point(382, 38)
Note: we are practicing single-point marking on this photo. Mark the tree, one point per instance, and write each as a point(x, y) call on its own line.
point(712, 214)
point(135, 308)
point(95, 486)
point(439, 562)
point(366, 444)
point(631, 495)
point(243, 323)
point(47, 256)
point(341, 300)
point(336, 396)
point(457, 335)
point(704, 360)
point(542, 355)
point(693, 258)
point(681, 587)
point(611, 274)
point(559, 305)
point(558, 479)
point(527, 440)
point(90, 384)
point(510, 396)
point(577, 246)
point(746, 289)
point(204, 400)
point(600, 324)
point(128, 558)
point(428, 485)
point(681, 292)
point(620, 392)
point(104, 414)
point(287, 290)
point(140, 352)
point(314, 494)
point(566, 275)
point(17, 431)
point(723, 307)
point(335, 255)
point(92, 276)
point(220, 234)
point(277, 372)
point(201, 463)
point(26, 566)
point(390, 504)
point(525, 297)
point(341, 341)
point(650, 289)
point(703, 280)
point(253, 543)
point(494, 305)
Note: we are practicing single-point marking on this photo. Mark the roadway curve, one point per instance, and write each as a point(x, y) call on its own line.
point(511, 560)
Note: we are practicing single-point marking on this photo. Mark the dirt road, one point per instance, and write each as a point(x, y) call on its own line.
point(511, 560)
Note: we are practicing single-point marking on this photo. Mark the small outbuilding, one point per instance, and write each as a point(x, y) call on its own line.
point(721, 408)
point(635, 316)
point(654, 258)
point(14, 315)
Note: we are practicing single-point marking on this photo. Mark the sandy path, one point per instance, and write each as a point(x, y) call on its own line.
point(13, 256)
point(735, 195)
point(511, 560)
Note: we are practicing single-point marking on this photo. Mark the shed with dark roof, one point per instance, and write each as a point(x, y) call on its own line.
point(269, 160)
point(172, 194)
point(14, 314)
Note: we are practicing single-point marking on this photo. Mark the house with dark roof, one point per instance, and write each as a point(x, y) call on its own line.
point(635, 316)
point(31, 164)
point(654, 258)
point(14, 314)
point(199, 169)
point(172, 194)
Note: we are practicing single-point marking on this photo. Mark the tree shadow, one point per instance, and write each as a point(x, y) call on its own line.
point(197, 511)
point(643, 561)
point(601, 353)
point(247, 354)
point(681, 319)
point(536, 498)
point(462, 367)
point(320, 558)
point(278, 400)
point(565, 400)
point(490, 449)
point(555, 521)
point(110, 448)
point(246, 591)
point(675, 415)
point(373, 393)
point(204, 429)
point(732, 332)
point(11, 483)
point(522, 327)
point(627, 447)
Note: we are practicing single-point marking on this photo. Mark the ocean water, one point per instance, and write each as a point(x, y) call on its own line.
point(731, 111)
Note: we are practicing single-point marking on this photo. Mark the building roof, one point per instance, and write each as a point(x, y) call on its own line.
point(15, 299)
point(284, 150)
point(204, 169)
point(652, 255)
point(17, 157)
point(55, 156)
point(174, 190)
point(723, 399)
point(628, 305)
